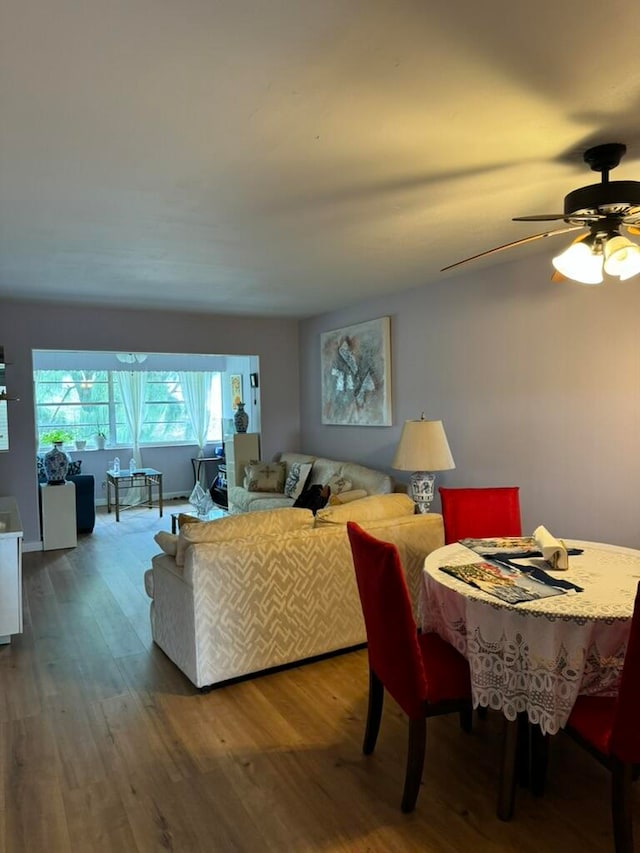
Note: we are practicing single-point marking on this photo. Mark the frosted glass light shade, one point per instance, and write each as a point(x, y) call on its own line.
point(579, 263)
point(621, 258)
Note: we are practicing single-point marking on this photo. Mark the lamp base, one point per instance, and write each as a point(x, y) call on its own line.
point(422, 487)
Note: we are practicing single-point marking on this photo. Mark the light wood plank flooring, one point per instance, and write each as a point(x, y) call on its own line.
point(105, 746)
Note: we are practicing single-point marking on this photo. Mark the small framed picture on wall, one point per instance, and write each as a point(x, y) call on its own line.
point(235, 381)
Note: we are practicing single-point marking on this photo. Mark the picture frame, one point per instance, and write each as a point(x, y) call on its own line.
point(355, 365)
point(235, 386)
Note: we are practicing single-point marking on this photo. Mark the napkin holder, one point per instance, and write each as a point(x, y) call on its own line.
point(553, 550)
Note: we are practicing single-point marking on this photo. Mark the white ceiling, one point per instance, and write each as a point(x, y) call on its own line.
point(294, 156)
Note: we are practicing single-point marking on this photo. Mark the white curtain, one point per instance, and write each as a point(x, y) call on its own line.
point(132, 387)
point(195, 393)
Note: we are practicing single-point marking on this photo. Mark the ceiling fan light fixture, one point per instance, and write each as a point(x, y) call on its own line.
point(621, 257)
point(580, 263)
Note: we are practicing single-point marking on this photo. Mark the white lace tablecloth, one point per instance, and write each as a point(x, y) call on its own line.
point(537, 656)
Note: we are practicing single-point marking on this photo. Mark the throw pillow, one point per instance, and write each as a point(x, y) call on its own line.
point(42, 474)
point(185, 518)
point(371, 508)
point(338, 484)
point(167, 541)
point(347, 497)
point(264, 476)
point(296, 481)
point(74, 468)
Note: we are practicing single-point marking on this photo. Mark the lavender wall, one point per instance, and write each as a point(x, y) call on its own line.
point(537, 384)
point(27, 326)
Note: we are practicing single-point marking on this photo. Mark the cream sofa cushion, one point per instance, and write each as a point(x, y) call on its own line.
point(372, 508)
point(245, 526)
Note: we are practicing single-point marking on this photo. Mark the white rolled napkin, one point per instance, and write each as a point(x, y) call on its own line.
point(553, 550)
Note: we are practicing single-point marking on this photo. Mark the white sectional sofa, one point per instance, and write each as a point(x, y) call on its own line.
point(258, 590)
point(360, 478)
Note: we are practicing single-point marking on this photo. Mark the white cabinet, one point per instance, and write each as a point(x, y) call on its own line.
point(239, 450)
point(58, 506)
point(11, 534)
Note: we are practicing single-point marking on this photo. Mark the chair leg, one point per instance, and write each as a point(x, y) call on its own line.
point(374, 713)
point(621, 778)
point(507, 791)
point(415, 763)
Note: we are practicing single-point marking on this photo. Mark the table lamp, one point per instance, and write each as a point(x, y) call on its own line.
point(423, 448)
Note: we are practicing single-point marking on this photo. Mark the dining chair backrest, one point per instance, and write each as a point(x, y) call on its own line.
point(479, 513)
point(394, 653)
point(625, 734)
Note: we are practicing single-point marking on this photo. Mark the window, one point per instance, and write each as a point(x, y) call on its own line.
point(84, 402)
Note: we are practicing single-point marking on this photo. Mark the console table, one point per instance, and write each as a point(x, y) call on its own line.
point(147, 478)
point(198, 461)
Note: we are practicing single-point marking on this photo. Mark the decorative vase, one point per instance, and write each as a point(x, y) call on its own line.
point(56, 465)
point(100, 441)
point(241, 418)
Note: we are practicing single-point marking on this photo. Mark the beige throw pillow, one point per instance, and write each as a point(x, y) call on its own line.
point(338, 484)
point(168, 542)
point(347, 497)
point(264, 476)
point(371, 508)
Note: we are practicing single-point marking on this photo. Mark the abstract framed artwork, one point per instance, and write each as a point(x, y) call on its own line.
point(355, 364)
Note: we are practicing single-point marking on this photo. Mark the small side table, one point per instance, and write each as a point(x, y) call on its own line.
point(58, 507)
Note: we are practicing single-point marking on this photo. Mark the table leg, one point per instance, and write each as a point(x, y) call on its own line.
point(160, 493)
point(116, 488)
point(507, 785)
point(108, 494)
point(523, 750)
point(539, 760)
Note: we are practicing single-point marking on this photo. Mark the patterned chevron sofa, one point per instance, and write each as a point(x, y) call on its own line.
point(290, 473)
point(257, 590)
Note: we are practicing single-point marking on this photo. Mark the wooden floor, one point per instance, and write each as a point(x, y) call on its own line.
point(104, 745)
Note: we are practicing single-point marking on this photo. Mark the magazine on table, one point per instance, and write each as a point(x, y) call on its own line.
point(509, 583)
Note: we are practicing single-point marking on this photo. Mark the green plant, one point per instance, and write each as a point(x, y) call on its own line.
point(54, 436)
point(100, 431)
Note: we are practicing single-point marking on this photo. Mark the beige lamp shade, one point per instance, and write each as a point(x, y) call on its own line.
point(423, 446)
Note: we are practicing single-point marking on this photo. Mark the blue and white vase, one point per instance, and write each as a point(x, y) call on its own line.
point(241, 419)
point(56, 465)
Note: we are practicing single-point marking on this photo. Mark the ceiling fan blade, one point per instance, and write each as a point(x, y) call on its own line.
point(523, 240)
point(540, 217)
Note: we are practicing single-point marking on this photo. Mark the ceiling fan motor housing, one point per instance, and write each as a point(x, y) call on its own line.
point(614, 197)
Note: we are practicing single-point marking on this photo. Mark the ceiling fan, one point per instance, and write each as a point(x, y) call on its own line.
point(605, 209)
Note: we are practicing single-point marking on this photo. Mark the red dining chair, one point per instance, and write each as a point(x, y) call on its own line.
point(424, 674)
point(480, 513)
point(608, 728)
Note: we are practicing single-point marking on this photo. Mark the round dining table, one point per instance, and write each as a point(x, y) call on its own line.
point(536, 657)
